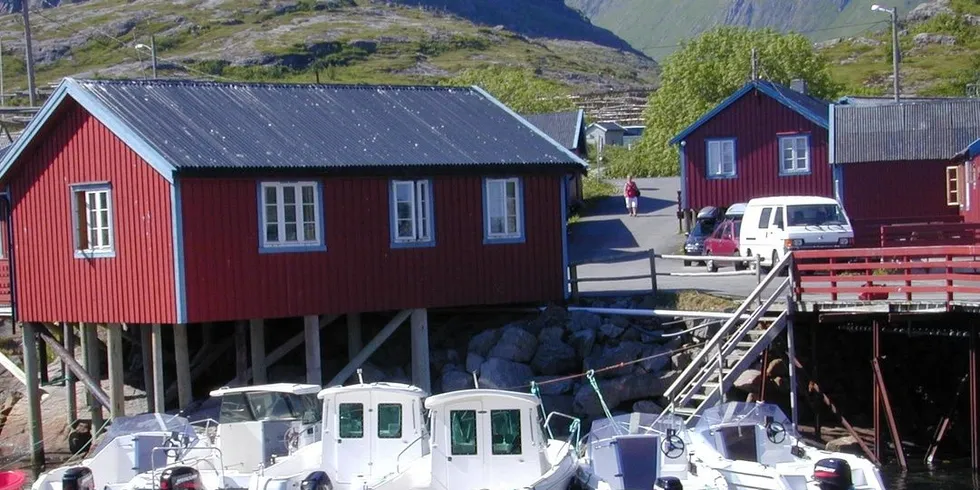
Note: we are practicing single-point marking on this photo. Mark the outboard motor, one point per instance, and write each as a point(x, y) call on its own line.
point(78, 478)
point(180, 478)
point(668, 483)
point(832, 474)
point(317, 480)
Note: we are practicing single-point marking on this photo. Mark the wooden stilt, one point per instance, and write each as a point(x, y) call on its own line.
point(241, 347)
point(42, 360)
point(355, 341)
point(815, 363)
point(156, 346)
point(944, 423)
point(259, 370)
point(791, 352)
point(31, 366)
point(974, 404)
point(146, 353)
point(182, 358)
point(69, 339)
point(369, 349)
point(311, 333)
point(117, 398)
point(93, 364)
point(890, 416)
point(876, 413)
point(421, 376)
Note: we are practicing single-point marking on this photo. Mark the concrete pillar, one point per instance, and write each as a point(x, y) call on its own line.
point(93, 364)
point(33, 396)
point(241, 348)
point(354, 340)
point(159, 388)
point(311, 333)
point(420, 350)
point(69, 340)
point(183, 362)
point(146, 353)
point(117, 397)
point(257, 334)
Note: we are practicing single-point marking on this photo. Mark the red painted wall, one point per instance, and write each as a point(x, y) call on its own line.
point(896, 190)
point(135, 286)
point(755, 120)
point(228, 279)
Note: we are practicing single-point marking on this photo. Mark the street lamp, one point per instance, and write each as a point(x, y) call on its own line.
point(152, 49)
point(893, 12)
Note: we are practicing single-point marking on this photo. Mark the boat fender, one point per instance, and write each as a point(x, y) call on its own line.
point(317, 480)
point(78, 478)
point(669, 483)
point(180, 478)
point(832, 474)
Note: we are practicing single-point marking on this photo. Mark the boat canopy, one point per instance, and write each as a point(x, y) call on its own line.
point(743, 414)
point(636, 423)
point(147, 422)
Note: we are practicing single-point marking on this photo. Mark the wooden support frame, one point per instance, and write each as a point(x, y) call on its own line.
point(287, 347)
point(974, 403)
point(31, 367)
point(93, 366)
point(355, 340)
point(70, 396)
point(256, 329)
point(184, 391)
point(815, 364)
point(369, 349)
point(156, 344)
point(241, 346)
point(146, 353)
point(421, 375)
point(890, 415)
point(117, 397)
point(876, 412)
point(100, 398)
point(791, 352)
point(944, 423)
point(311, 340)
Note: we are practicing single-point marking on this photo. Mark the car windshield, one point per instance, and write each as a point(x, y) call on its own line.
point(736, 226)
point(245, 407)
point(703, 227)
point(815, 215)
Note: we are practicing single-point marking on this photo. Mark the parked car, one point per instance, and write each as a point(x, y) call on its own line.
point(724, 242)
point(735, 211)
point(703, 227)
point(773, 226)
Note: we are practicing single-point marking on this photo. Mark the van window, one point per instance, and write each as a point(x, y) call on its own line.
point(778, 220)
point(815, 215)
point(764, 218)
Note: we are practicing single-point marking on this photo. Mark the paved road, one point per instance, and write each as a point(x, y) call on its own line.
point(607, 231)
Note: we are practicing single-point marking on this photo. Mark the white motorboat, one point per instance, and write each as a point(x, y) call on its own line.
point(641, 451)
point(256, 425)
point(754, 446)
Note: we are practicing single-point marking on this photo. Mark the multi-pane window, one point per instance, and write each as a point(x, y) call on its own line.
point(411, 211)
point(93, 220)
point(794, 154)
point(504, 218)
point(954, 179)
point(291, 214)
point(721, 158)
point(351, 417)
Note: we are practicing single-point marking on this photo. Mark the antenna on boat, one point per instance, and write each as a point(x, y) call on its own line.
point(360, 375)
point(476, 381)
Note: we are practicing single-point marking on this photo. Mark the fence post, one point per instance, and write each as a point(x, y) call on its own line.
point(573, 279)
point(758, 270)
point(653, 270)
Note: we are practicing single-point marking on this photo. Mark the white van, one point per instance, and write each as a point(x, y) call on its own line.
point(773, 226)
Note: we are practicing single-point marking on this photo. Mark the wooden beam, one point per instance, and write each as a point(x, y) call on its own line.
point(93, 366)
point(146, 353)
point(117, 396)
point(890, 416)
point(421, 376)
point(311, 331)
point(156, 342)
point(876, 395)
point(259, 369)
point(184, 393)
point(355, 341)
point(197, 370)
point(241, 346)
point(69, 338)
point(100, 398)
point(791, 352)
point(287, 347)
point(940, 433)
point(33, 397)
point(369, 349)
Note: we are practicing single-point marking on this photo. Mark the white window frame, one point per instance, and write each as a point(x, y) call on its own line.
point(493, 210)
point(954, 185)
point(421, 217)
point(714, 157)
point(301, 242)
point(104, 244)
point(795, 164)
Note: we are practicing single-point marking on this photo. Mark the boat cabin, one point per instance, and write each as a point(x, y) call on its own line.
point(486, 439)
point(256, 424)
point(371, 430)
point(634, 450)
point(753, 432)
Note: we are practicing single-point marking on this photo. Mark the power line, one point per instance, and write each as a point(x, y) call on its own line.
point(808, 31)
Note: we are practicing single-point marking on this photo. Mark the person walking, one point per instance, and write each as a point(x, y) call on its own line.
point(630, 193)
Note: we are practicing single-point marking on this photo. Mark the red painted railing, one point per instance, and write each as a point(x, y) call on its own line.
point(867, 274)
point(929, 235)
point(867, 232)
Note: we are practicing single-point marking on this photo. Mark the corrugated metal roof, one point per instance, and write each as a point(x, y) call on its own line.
point(860, 100)
point(203, 125)
point(610, 126)
point(563, 127)
point(908, 131)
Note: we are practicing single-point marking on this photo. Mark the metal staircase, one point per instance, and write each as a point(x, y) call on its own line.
point(738, 343)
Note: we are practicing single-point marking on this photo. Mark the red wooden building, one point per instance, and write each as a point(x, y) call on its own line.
point(766, 139)
point(169, 202)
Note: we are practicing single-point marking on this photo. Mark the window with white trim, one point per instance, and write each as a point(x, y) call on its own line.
point(721, 158)
point(794, 154)
point(503, 204)
point(954, 184)
point(291, 214)
point(411, 211)
point(94, 232)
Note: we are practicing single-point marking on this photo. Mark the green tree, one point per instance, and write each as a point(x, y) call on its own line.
point(518, 88)
point(707, 70)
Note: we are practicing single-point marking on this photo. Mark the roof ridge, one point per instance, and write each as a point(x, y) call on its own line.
point(278, 85)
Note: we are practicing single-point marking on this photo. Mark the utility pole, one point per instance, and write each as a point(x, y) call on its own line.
point(25, 9)
point(153, 55)
point(755, 67)
point(895, 52)
point(3, 98)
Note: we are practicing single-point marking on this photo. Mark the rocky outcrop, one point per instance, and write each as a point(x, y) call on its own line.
point(925, 39)
point(927, 10)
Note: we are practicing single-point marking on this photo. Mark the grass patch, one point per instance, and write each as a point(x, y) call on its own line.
point(692, 300)
point(593, 189)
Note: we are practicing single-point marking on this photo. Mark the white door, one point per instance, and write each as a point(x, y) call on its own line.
point(465, 446)
point(512, 460)
point(777, 234)
point(391, 435)
point(353, 428)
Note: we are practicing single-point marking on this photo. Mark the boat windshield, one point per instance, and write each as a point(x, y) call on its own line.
point(815, 215)
point(741, 414)
point(148, 422)
point(644, 423)
point(268, 405)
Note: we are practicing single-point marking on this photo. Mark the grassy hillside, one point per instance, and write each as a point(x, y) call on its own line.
point(657, 26)
point(342, 40)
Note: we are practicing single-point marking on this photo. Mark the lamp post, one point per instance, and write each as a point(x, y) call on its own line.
point(893, 12)
point(152, 48)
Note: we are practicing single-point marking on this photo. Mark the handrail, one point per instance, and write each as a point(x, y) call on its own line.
point(695, 364)
point(409, 446)
point(547, 423)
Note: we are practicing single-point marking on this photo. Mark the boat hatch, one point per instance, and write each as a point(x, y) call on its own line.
point(637, 457)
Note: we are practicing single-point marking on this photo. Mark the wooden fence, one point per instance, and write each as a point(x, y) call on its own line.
point(928, 235)
point(867, 232)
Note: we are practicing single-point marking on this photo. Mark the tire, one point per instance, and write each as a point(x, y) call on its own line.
point(687, 263)
point(739, 266)
point(711, 266)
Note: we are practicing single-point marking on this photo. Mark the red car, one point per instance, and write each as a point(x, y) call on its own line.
point(724, 242)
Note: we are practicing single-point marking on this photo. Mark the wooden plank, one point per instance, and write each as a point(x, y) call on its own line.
point(117, 397)
point(257, 334)
point(892, 278)
point(184, 393)
point(887, 265)
point(845, 253)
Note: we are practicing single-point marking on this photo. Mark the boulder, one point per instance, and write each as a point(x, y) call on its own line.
point(846, 444)
point(610, 331)
point(549, 386)
point(925, 39)
point(659, 360)
point(827, 43)
point(499, 373)
point(367, 45)
point(554, 357)
point(617, 390)
point(552, 316)
point(748, 381)
point(515, 344)
point(582, 341)
point(647, 406)
point(564, 404)
point(453, 380)
point(551, 334)
point(973, 20)
point(777, 367)
point(612, 355)
point(482, 342)
point(927, 10)
point(581, 320)
point(865, 41)
point(473, 363)
point(682, 359)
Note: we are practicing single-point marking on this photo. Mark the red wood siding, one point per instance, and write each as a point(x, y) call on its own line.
point(135, 286)
point(880, 191)
point(756, 122)
point(227, 278)
point(971, 213)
